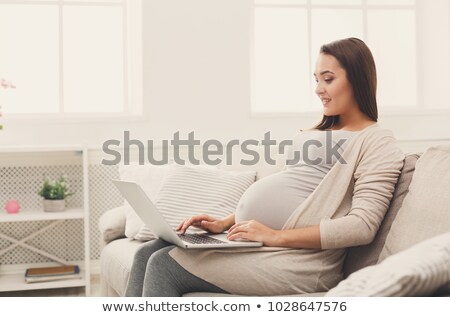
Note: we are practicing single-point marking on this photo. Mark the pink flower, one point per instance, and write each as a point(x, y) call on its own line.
point(6, 84)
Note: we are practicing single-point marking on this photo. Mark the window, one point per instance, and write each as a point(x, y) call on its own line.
point(287, 35)
point(74, 57)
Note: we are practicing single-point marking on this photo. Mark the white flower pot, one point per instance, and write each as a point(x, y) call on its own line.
point(54, 205)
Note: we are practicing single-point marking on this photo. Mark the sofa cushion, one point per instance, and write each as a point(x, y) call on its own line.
point(362, 256)
point(425, 212)
point(116, 261)
point(420, 270)
point(193, 190)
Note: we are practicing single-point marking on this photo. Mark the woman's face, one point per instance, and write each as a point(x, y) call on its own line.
point(333, 88)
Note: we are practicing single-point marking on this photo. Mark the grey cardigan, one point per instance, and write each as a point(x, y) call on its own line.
point(349, 205)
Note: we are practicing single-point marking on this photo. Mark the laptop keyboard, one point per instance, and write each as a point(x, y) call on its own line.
point(199, 239)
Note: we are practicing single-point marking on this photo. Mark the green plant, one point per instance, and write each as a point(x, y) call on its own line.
point(55, 189)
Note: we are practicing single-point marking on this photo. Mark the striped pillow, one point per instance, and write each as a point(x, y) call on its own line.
point(193, 190)
point(420, 270)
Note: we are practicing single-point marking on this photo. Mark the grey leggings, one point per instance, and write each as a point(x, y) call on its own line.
point(155, 274)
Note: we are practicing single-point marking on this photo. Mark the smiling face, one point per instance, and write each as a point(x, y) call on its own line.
point(333, 88)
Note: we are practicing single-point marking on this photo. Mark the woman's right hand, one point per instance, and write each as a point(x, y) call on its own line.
point(204, 222)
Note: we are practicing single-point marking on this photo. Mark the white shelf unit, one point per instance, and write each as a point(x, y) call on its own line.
point(12, 279)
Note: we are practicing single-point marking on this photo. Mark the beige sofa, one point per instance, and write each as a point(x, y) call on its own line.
point(117, 253)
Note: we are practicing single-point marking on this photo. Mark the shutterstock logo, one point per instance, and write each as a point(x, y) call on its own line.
point(214, 152)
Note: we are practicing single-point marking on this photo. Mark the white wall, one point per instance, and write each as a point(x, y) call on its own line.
point(196, 78)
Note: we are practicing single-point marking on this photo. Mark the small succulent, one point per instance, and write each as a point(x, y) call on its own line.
point(55, 189)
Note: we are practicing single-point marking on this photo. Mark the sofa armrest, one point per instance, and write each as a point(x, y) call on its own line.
point(112, 224)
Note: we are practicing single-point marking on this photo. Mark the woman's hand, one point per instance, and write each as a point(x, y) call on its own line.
point(204, 222)
point(254, 231)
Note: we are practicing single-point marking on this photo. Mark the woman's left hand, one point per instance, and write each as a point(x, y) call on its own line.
point(254, 231)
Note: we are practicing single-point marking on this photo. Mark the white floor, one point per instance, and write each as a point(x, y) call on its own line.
point(59, 292)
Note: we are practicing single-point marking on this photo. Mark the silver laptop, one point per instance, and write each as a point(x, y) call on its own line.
point(153, 218)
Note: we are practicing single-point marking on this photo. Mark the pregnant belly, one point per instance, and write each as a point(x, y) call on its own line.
point(271, 200)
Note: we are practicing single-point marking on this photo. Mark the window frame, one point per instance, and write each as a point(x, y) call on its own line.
point(133, 109)
point(390, 110)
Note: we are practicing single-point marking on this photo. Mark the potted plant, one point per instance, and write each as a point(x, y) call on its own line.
point(54, 193)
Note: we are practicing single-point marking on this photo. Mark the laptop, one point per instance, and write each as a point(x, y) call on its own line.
point(153, 218)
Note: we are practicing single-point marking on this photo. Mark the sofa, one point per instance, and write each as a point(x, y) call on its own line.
point(395, 256)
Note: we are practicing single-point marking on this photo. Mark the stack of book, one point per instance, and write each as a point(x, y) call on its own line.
point(52, 273)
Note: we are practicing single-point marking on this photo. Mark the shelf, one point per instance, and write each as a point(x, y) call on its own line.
point(35, 148)
point(40, 215)
point(16, 282)
point(19, 162)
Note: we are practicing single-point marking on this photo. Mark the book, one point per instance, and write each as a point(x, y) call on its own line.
point(38, 279)
point(52, 271)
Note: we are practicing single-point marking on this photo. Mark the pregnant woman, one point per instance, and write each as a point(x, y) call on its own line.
point(306, 215)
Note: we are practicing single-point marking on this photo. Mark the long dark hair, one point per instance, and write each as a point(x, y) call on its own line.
point(355, 57)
